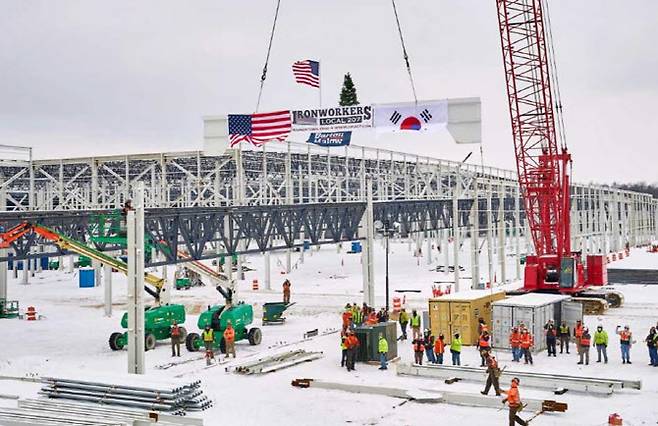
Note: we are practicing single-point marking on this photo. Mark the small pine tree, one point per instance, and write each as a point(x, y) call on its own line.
point(348, 92)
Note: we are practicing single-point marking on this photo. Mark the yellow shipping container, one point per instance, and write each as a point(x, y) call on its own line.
point(459, 313)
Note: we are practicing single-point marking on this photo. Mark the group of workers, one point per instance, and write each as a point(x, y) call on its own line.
point(355, 315)
point(434, 348)
point(208, 338)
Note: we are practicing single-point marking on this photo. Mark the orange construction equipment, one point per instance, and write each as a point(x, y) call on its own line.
point(31, 313)
point(615, 420)
point(397, 305)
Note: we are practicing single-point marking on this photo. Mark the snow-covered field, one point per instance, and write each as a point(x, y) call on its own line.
point(72, 339)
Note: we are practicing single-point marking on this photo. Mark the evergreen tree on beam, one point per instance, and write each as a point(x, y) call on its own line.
point(348, 92)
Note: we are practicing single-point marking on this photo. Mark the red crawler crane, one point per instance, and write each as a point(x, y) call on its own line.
point(542, 165)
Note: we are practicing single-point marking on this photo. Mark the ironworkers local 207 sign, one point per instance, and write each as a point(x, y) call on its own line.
point(338, 118)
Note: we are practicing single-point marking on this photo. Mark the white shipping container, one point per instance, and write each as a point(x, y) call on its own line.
point(533, 310)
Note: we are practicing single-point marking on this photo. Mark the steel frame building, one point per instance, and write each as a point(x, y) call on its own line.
point(412, 189)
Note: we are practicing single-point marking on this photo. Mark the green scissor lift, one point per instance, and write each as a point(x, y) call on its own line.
point(8, 308)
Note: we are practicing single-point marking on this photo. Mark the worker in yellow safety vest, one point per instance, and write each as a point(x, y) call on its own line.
point(208, 336)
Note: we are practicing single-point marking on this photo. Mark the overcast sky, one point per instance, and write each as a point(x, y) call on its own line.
point(86, 77)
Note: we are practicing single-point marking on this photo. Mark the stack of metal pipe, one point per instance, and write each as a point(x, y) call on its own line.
point(177, 398)
point(276, 362)
point(56, 412)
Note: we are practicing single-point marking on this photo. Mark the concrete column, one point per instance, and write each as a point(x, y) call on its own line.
point(367, 256)
point(135, 222)
point(428, 252)
point(97, 272)
point(3, 274)
point(40, 251)
point(60, 262)
point(455, 230)
point(502, 236)
point(71, 263)
point(228, 258)
point(475, 239)
point(169, 285)
point(268, 270)
point(490, 262)
point(445, 248)
point(26, 271)
point(107, 283)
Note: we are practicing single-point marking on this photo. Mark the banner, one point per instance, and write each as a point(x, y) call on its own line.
point(330, 139)
point(327, 119)
point(408, 116)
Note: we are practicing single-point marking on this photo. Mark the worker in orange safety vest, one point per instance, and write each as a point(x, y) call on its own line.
point(484, 346)
point(578, 332)
point(513, 400)
point(526, 343)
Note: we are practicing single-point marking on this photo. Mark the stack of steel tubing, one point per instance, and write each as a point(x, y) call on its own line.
point(277, 362)
point(172, 398)
point(56, 412)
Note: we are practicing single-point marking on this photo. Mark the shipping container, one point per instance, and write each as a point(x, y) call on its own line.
point(459, 313)
point(533, 310)
point(368, 336)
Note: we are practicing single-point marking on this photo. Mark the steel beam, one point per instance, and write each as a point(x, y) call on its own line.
point(135, 222)
point(537, 380)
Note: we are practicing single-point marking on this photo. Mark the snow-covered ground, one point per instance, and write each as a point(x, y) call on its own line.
point(72, 339)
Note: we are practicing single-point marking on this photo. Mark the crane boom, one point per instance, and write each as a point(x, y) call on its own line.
point(541, 165)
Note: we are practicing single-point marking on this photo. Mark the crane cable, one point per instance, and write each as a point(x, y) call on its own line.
point(404, 52)
point(554, 76)
point(267, 58)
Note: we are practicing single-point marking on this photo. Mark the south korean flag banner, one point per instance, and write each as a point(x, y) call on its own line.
point(424, 116)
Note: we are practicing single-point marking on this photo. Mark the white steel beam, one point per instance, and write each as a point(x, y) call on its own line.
point(535, 380)
point(135, 222)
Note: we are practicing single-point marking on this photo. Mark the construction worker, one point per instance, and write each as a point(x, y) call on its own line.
point(482, 326)
point(493, 374)
point(625, 342)
point(484, 346)
point(347, 315)
point(428, 342)
point(383, 352)
point(372, 317)
point(229, 339)
point(419, 348)
point(651, 340)
point(527, 342)
point(208, 336)
point(564, 335)
point(515, 343)
point(127, 206)
point(352, 343)
point(601, 343)
point(456, 349)
point(343, 348)
point(551, 338)
point(415, 325)
point(583, 346)
point(175, 332)
point(513, 400)
point(578, 332)
point(286, 291)
point(439, 349)
point(404, 321)
point(123, 225)
point(357, 317)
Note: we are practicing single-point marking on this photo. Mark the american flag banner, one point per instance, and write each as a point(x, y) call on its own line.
point(307, 72)
point(259, 128)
